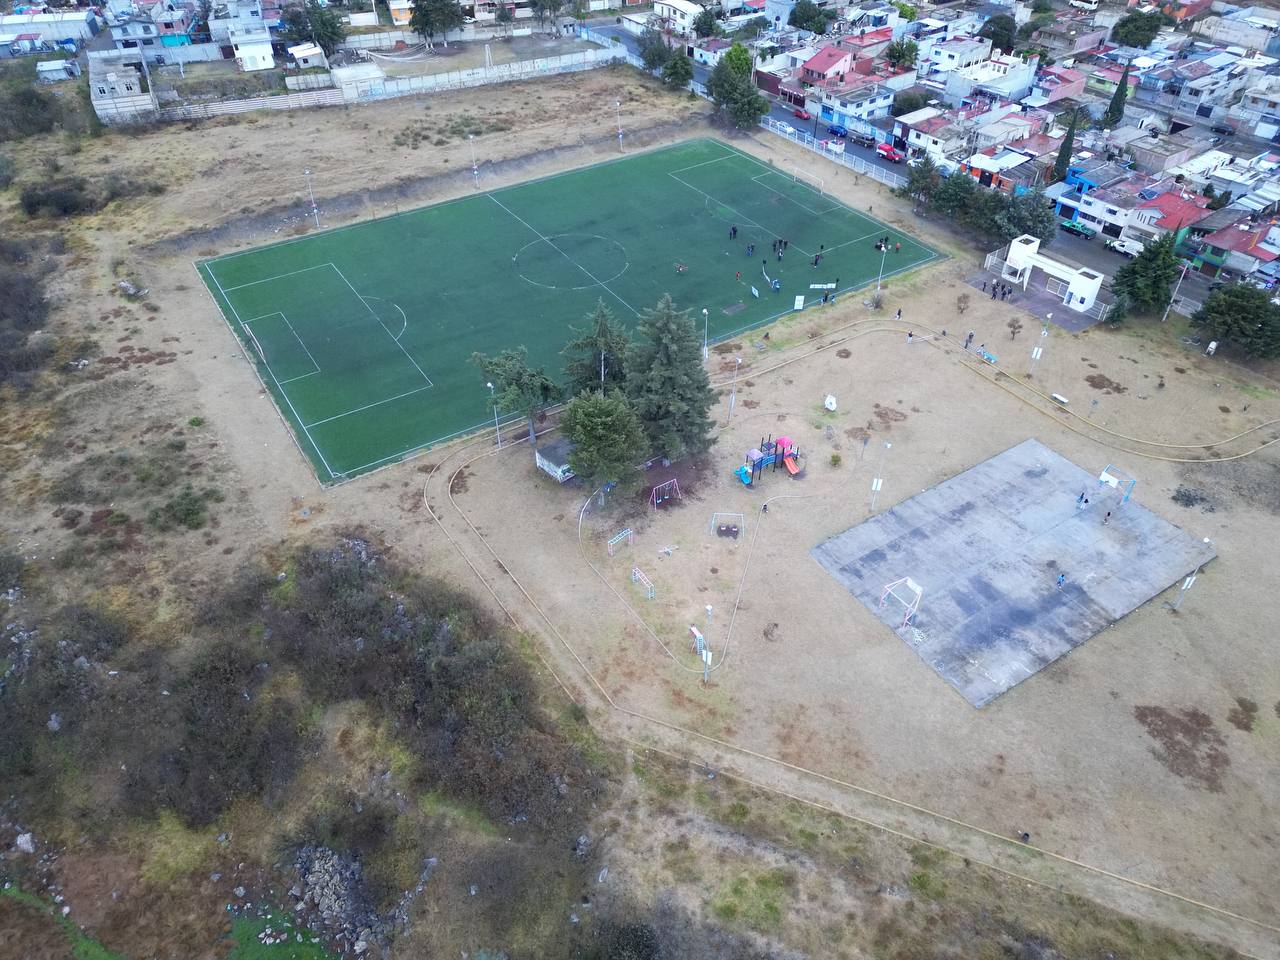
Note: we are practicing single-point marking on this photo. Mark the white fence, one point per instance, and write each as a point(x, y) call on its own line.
point(288, 101)
point(309, 81)
point(857, 164)
point(387, 39)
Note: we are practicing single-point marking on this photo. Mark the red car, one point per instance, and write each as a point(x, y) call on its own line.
point(802, 114)
point(890, 153)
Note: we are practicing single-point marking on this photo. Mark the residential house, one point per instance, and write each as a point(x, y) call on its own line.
point(401, 11)
point(829, 63)
point(1154, 153)
point(676, 15)
point(1253, 28)
point(1177, 212)
point(55, 71)
point(1054, 84)
point(1238, 250)
point(1006, 77)
point(132, 33)
point(251, 46)
point(710, 50)
point(1004, 169)
point(868, 43)
point(120, 88)
point(954, 54)
point(78, 25)
point(1182, 10)
point(308, 56)
point(851, 104)
point(244, 14)
point(173, 24)
point(1103, 80)
point(1069, 37)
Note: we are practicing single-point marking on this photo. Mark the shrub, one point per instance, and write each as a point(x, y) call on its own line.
point(188, 509)
point(11, 565)
point(6, 172)
point(836, 459)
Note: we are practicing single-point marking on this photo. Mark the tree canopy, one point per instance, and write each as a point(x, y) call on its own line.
point(1115, 109)
point(992, 213)
point(1243, 316)
point(738, 59)
point(923, 179)
point(1146, 282)
point(1063, 162)
point(608, 441)
point(736, 99)
point(902, 53)
point(673, 398)
point(653, 48)
point(321, 25)
point(908, 101)
point(431, 17)
point(601, 346)
point(705, 24)
point(1138, 29)
point(1001, 30)
point(678, 70)
point(517, 386)
point(807, 16)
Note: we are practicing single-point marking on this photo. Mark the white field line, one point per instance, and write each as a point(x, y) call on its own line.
point(565, 255)
point(278, 276)
point(369, 406)
point(394, 340)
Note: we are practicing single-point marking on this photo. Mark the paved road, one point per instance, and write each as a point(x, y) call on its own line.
point(1094, 254)
point(778, 111)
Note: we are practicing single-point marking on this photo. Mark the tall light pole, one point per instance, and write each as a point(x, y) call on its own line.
point(705, 321)
point(475, 170)
point(884, 252)
point(1186, 584)
point(315, 211)
point(617, 105)
point(878, 482)
point(1037, 351)
point(496, 429)
point(1176, 288)
point(733, 396)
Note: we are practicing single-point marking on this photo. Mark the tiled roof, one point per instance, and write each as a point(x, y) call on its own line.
point(1177, 211)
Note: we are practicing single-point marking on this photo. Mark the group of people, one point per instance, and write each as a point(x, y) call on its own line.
point(882, 246)
point(998, 288)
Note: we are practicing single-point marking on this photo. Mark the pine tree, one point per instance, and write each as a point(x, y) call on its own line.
point(1146, 281)
point(608, 441)
point(596, 357)
point(1244, 316)
point(517, 385)
point(1063, 163)
point(1115, 110)
point(670, 390)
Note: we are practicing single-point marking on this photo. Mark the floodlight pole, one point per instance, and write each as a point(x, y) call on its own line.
point(475, 170)
point(705, 320)
point(884, 252)
point(878, 481)
point(1187, 584)
point(1037, 352)
point(496, 429)
point(315, 211)
point(733, 396)
point(617, 105)
point(1176, 288)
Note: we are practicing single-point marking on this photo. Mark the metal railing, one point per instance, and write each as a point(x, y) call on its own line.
point(856, 164)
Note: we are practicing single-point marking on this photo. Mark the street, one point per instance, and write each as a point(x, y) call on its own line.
point(1094, 254)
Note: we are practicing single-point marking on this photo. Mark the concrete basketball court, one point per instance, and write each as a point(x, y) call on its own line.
point(987, 547)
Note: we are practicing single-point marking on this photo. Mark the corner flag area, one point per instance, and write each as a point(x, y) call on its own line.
point(363, 334)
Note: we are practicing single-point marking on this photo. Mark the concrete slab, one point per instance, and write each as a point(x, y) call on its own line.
point(988, 545)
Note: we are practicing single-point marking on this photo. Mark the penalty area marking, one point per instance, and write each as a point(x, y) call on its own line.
point(405, 320)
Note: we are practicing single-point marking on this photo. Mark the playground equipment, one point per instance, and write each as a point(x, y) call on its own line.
point(1118, 480)
point(626, 535)
point(988, 357)
point(794, 464)
point(770, 453)
point(908, 593)
point(728, 525)
point(670, 490)
point(637, 576)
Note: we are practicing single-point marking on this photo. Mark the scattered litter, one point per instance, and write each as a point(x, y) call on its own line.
point(603, 874)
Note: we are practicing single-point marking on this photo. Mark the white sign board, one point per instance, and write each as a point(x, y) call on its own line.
point(800, 302)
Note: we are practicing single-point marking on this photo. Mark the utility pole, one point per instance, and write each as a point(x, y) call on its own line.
point(1176, 288)
point(496, 429)
point(878, 483)
point(1186, 584)
point(315, 211)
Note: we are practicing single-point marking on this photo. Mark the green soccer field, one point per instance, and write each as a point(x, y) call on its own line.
point(363, 334)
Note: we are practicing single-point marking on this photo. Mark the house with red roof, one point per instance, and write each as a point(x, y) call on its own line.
point(1177, 211)
point(828, 63)
point(1239, 249)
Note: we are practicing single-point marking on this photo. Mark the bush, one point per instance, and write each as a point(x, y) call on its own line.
point(6, 172)
point(188, 509)
point(67, 197)
point(26, 110)
point(11, 565)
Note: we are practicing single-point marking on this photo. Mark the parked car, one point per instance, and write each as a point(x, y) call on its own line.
point(802, 114)
point(890, 153)
point(1223, 130)
point(1078, 228)
point(837, 131)
point(1125, 246)
point(863, 139)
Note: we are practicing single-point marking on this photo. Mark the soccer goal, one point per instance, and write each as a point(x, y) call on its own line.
point(1118, 480)
point(812, 181)
point(731, 525)
point(906, 592)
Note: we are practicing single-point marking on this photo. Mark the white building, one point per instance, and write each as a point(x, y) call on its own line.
point(252, 47)
point(52, 27)
point(677, 15)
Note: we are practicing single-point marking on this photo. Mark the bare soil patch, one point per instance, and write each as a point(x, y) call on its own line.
point(1189, 744)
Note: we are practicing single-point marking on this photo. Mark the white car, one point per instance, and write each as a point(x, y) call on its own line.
point(1126, 247)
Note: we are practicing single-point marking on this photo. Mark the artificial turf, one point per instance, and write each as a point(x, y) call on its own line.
point(363, 334)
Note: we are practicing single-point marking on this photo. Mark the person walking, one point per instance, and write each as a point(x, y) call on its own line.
point(898, 315)
point(1062, 578)
point(984, 286)
point(733, 232)
point(1107, 518)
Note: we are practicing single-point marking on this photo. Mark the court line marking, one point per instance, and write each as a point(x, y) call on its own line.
point(375, 316)
point(741, 216)
point(284, 393)
point(404, 326)
point(278, 276)
point(280, 314)
point(369, 406)
point(831, 208)
point(694, 166)
point(607, 288)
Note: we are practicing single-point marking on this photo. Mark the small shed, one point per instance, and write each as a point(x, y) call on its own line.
point(308, 55)
point(52, 71)
point(554, 459)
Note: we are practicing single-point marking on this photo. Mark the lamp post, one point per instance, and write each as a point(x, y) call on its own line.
point(1176, 288)
point(496, 429)
point(878, 482)
point(1186, 584)
point(1037, 352)
point(733, 396)
point(705, 321)
point(617, 105)
point(315, 211)
point(884, 252)
point(475, 170)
